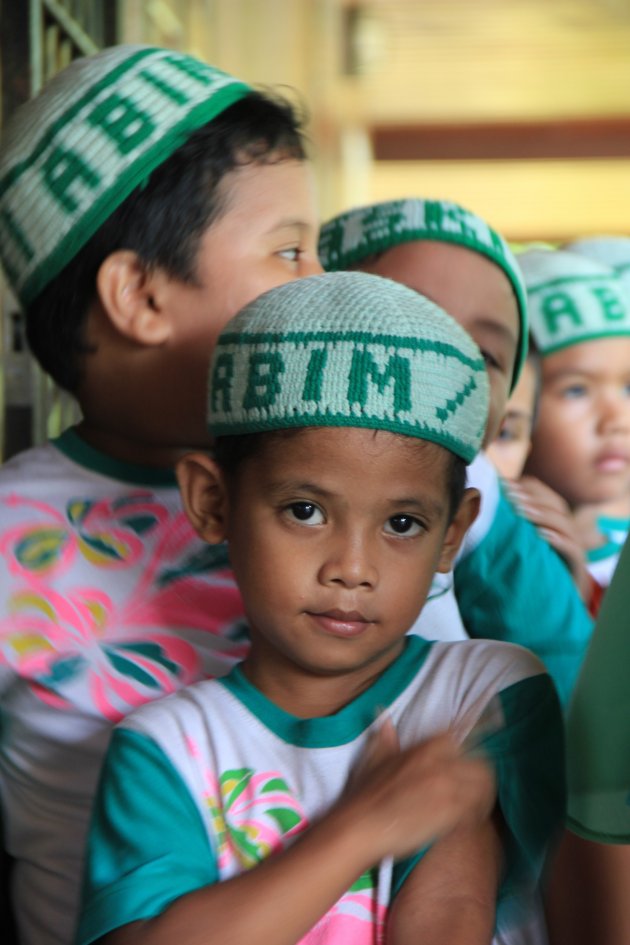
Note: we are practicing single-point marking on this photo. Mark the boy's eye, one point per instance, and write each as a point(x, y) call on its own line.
point(490, 359)
point(573, 391)
point(506, 435)
point(307, 513)
point(292, 253)
point(402, 525)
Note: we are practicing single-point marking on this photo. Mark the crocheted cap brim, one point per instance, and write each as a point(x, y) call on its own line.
point(572, 299)
point(352, 350)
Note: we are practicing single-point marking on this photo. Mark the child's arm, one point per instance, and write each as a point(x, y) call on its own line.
point(451, 895)
point(402, 803)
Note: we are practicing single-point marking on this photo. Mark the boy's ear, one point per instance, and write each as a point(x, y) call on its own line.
point(129, 296)
point(461, 522)
point(203, 489)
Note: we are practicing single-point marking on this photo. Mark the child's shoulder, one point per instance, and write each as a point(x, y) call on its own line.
point(194, 704)
point(462, 677)
point(480, 687)
point(485, 662)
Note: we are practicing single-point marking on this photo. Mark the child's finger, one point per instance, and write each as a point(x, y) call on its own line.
point(382, 743)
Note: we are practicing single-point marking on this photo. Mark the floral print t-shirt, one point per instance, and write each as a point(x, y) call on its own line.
point(108, 600)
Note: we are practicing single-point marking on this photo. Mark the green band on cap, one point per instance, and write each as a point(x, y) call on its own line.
point(572, 299)
point(349, 349)
point(611, 251)
point(351, 237)
point(73, 154)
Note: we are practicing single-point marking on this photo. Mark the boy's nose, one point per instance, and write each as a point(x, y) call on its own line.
point(615, 412)
point(349, 563)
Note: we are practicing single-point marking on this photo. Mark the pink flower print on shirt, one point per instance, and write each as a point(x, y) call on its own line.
point(150, 610)
point(252, 815)
point(65, 646)
point(106, 533)
point(81, 649)
point(357, 917)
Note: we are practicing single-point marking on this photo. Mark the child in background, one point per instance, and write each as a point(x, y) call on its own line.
point(145, 198)
point(508, 583)
point(345, 408)
point(614, 252)
point(536, 501)
point(510, 447)
point(580, 323)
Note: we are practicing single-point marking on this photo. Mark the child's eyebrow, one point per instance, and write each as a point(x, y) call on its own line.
point(297, 485)
point(290, 224)
point(502, 331)
point(425, 505)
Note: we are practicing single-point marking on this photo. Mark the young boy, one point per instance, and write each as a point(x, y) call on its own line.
point(144, 198)
point(580, 322)
point(539, 503)
point(508, 583)
point(345, 408)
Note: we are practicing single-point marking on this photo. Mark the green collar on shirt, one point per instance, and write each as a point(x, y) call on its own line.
point(74, 447)
point(347, 724)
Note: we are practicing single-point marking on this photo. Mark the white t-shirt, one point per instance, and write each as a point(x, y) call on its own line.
point(209, 782)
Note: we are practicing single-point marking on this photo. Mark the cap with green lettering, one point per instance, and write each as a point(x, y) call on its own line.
point(348, 349)
point(71, 156)
point(612, 251)
point(572, 299)
point(348, 239)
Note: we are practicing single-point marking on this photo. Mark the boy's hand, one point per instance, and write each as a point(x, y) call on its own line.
point(551, 515)
point(403, 800)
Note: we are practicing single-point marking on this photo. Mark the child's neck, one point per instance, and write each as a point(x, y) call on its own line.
point(127, 450)
point(586, 518)
point(308, 695)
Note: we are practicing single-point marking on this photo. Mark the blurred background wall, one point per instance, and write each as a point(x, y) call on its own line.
point(520, 109)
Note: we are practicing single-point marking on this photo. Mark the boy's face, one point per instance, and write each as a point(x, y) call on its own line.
point(265, 236)
point(334, 537)
point(581, 445)
point(475, 292)
point(511, 446)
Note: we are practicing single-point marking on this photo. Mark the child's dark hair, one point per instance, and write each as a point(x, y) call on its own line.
point(162, 221)
point(231, 451)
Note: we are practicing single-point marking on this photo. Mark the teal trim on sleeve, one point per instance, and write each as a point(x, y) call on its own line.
point(528, 756)
point(514, 587)
point(347, 724)
point(74, 447)
point(147, 845)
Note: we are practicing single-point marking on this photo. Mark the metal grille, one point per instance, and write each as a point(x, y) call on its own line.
point(49, 34)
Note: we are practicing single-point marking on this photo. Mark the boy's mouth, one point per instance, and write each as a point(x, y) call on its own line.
point(612, 461)
point(344, 623)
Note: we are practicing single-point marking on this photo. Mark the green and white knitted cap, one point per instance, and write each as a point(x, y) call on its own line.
point(348, 239)
point(349, 349)
point(572, 299)
point(73, 154)
point(612, 251)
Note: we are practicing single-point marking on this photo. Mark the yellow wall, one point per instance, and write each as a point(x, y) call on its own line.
point(426, 61)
